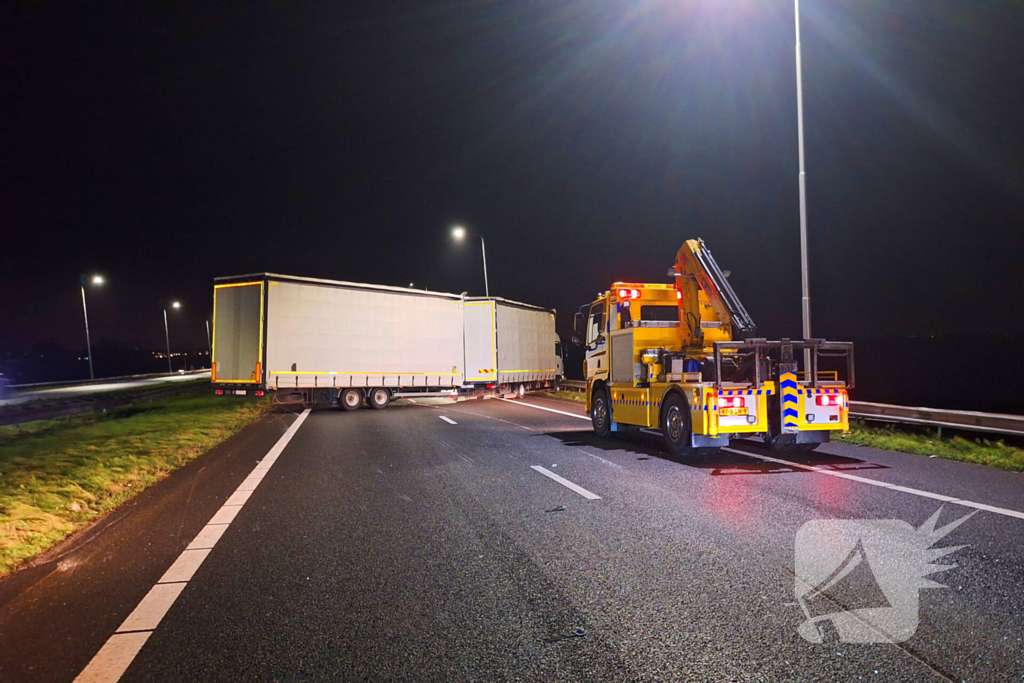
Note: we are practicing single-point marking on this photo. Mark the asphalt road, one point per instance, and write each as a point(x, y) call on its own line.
point(12, 396)
point(396, 545)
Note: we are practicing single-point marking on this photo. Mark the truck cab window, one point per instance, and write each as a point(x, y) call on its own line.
point(596, 325)
point(659, 313)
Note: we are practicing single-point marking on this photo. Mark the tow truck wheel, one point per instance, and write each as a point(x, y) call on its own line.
point(600, 413)
point(350, 399)
point(675, 425)
point(380, 398)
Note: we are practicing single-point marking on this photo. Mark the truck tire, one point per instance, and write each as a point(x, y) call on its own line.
point(379, 398)
point(521, 392)
point(601, 412)
point(675, 425)
point(350, 399)
point(774, 439)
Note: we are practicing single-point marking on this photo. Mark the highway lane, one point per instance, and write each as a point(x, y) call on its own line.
point(12, 397)
point(397, 545)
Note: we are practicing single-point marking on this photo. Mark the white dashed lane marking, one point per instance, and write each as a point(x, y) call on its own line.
point(449, 420)
point(566, 483)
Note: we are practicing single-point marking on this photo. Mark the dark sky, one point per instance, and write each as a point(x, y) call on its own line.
point(167, 144)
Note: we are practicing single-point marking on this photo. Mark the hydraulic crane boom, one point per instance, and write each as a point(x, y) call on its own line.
point(696, 270)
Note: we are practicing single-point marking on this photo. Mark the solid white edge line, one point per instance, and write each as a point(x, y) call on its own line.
point(120, 650)
point(448, 420)
point(148, 613)
point(550, 410)
point(113, 659)
point(883, 484)
point(566, 483)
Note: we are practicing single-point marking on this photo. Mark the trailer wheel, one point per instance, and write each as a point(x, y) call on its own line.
point(675, 425)
point(379, 398)
point(350, 399)
point(600, 413)
point(521, 392)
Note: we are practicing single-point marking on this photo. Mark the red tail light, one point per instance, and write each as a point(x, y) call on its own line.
point(679, 295)
point(259, 393)
point(830, 400)
point(490, 386)
point(220, 392)
point(731, 402)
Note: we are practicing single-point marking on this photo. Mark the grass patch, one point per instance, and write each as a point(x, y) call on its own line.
point(56, 476)
point(979, 451)
point(578, 396)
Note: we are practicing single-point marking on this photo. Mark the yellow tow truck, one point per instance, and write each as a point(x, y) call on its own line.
point(684, 358)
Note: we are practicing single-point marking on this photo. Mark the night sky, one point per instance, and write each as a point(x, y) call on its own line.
point(163, 146)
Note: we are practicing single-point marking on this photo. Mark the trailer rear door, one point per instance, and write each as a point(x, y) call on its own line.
point(481, 355)
point(238, 333)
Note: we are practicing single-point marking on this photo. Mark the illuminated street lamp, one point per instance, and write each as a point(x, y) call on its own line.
point(175, 305)
point(459, 232)
point(95, 280)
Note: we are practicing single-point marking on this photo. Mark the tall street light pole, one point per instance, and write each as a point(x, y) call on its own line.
point(805, 298)
point(96, 280)
point(459, 232)
point(167, 335)
point(209, 346)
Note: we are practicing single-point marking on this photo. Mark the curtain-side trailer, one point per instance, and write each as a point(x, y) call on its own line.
point(322, 341)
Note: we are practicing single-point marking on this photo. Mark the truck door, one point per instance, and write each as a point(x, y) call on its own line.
point(481, 354)
point(596, 362)
point(238, 333)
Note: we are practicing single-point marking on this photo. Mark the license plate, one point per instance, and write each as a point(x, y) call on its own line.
point(731, 412)
point(239, 392)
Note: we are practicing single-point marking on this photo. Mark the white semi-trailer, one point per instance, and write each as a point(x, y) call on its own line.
point(323, 341)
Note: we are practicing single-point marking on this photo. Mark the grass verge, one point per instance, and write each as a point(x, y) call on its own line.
point(979, 451)
point(56, 476)
point(577, 396)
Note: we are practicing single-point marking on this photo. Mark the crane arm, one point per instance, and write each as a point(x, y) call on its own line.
point(696, 271)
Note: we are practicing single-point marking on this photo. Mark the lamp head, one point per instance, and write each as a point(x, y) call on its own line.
point(97, 280)
point(458, 232)
point(176, 304)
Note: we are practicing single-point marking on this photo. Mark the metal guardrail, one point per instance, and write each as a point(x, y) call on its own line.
point(939, 418)
point(101, 380)
point(21, 413)
point(989, 423)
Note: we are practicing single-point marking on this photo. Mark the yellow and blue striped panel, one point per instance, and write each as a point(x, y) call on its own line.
point(790, 401)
